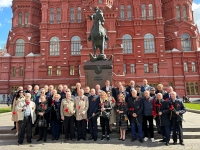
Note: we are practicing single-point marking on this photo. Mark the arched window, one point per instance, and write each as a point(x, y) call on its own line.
point(150, 11)
point(144, 12)
point(75, 45)
point(58, 16)
point(178, 15)
point(54, 46)
point(129, 12)
point(184, 8)
point(127, 44)
point(51, 19)
point(20, 19)
point(149, 46)
point(122, 12)
point(185, 42)
point(79, 14)
point(26, 18)
point(72, 14)
point(19, 51)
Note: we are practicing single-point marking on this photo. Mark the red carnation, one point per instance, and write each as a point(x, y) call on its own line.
point(131, 109)
point(13, 112)
point(52, 102)
point(27, 103)
point(66, 110)
point(112, 100)
point(79, 107)
point(159, 105)
point(154, 113)
point(166, 99)
point(171, 107)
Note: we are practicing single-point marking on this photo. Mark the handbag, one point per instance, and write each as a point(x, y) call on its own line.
point(125, 117)
point(41, 122)
point(105, 114)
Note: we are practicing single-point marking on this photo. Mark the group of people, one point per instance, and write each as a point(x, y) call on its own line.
point(135, 106)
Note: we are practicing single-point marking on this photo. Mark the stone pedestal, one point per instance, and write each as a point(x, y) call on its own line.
point(97, 73)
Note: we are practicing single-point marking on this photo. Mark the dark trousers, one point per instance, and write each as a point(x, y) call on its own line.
point(55, 129)
point(134, 127)
point(165, 131)
point(158, 123)
point(25, 125)
point(42, 132)
point(105, 125)
point(69, 127)
point(145, 129)
point(177, 125)
point(93, 127)
point(81, 128)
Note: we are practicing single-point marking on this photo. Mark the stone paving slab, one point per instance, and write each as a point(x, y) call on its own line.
point(113, 144)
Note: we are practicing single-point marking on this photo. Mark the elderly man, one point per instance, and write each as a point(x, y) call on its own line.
point(35, 92)
point(145, 86)
point(148, 103)
point(162, 118)
point(29, 89)
point(98, 89)
point(107, 87)
point(135, 108)
point(167, 96)
point(131, 87)
point(26, 117)
point(177, 110)
point(77, 89)
point(82, 105)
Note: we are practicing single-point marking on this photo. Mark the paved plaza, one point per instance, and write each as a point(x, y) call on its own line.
point(192, 143)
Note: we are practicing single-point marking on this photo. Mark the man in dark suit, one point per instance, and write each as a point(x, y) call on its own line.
point(92, 110)
point(131, 87)
point(107, 87)
point(135, 109)
point(163, 119)
point(177, 110)
point(167, 95)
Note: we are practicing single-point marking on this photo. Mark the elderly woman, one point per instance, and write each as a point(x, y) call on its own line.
point(122, 118)
point(67, 110)
point(55, 117)
point(42, 110)
point(105, 108)
point(18, 98)
point(160, 89)
point(26, 117)
point(50, 98)
point(113, 112)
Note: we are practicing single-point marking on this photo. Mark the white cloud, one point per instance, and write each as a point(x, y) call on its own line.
point(5, 3)
point(0, 24)
point(196, 12)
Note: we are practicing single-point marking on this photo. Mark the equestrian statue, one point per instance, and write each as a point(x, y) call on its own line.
point(98, 36)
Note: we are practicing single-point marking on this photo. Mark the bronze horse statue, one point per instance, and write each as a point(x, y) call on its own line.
point(98, 35)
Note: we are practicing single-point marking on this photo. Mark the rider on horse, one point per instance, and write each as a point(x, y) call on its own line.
point(96, 9)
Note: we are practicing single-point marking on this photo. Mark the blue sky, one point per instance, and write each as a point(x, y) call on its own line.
point(6, 16)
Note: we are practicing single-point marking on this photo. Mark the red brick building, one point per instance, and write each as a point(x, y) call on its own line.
point(157, 40)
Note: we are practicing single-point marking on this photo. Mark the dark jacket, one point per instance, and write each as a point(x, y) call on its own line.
point(162, 92)
point(164, 119)
point(148, 106)
point(137, 105)
point(129, 89)
point(43, 107)
point(55, 111)
point(104, 89)
point(166, 96)
point(93, 105)
point(178, 106)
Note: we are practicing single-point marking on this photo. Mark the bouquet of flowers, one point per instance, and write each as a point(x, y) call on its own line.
point(158, 109)
point(174, 110)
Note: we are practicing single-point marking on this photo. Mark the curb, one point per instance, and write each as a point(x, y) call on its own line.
point(193, 111)
point(5, 114)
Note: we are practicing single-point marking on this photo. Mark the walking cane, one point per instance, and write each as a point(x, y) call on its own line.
point(62, 133)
